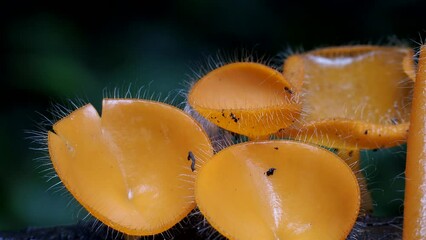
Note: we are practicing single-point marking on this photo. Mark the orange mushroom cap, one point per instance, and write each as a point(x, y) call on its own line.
point(246, 98)
point(129, 168)
point(278, 190)
point(355, 97)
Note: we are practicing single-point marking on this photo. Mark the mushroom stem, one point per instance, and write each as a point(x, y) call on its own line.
point(415, 183)
point(352, 158)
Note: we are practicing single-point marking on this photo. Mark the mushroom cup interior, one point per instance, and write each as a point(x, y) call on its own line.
point(129, 168)
point(353, 97)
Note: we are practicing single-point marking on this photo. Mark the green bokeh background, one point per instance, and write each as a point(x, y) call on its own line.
point(59, 52)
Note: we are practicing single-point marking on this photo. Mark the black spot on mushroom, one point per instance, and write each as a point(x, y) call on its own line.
point(288, 90)
point(191, 158)
point(270, 172)
point(276, 148)
point(234, 117)
point(366, 132)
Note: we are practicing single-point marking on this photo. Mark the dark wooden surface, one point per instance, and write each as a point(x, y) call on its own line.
point(367, 228)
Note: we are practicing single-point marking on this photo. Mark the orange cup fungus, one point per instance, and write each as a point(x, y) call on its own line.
point(355, 97)
point(129, 168)
point(135, 167)
point(278, 190)
point(246, 98)
point(415, 182)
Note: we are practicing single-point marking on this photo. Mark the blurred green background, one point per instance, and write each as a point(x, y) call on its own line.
point(55, 52)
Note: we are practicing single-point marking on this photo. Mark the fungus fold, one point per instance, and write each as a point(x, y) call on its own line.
point(129, 168)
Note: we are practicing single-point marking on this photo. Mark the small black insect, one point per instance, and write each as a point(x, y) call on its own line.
point(192, 158)
point(276, 148)
point(288, 90)
point(270, 172)
point(366, 132)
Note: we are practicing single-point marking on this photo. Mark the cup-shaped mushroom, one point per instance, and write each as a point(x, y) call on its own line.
point(355, 97)
point(246, 98)
point(278, 190)
point(133, 168)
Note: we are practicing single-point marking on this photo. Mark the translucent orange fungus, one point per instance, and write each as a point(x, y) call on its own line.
point(247, 98)
point(129, 168)
point(415, 182)
point(278, 190)
point(355, 97)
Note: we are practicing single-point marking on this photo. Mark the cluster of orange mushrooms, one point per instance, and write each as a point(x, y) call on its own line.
point(143, 166)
